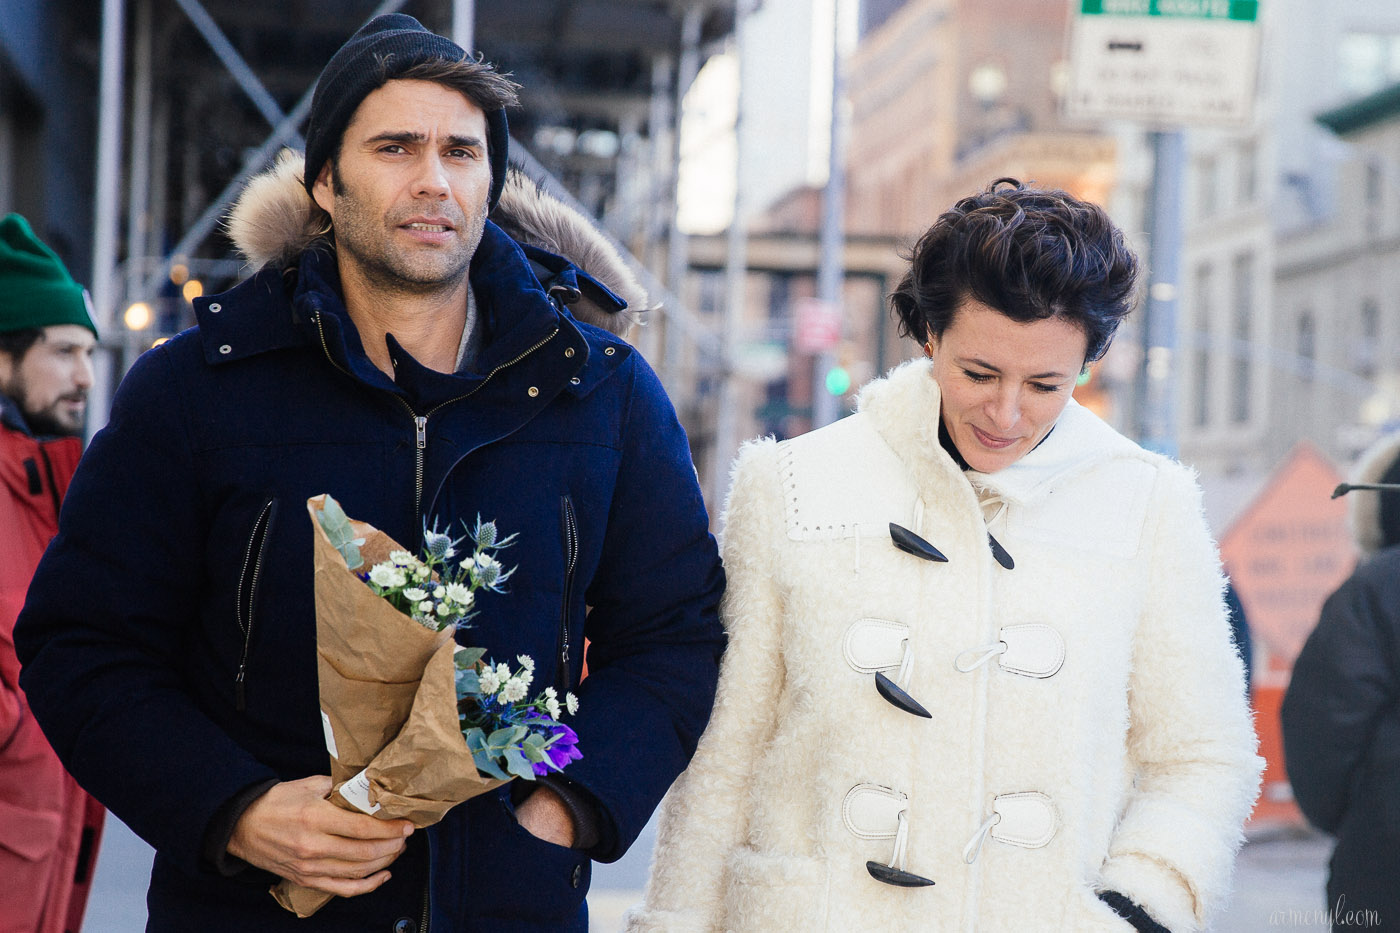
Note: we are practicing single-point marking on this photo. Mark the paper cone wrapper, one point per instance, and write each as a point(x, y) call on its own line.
point(388, 702)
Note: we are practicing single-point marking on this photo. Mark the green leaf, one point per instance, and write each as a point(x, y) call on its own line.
point(336, 524)
point(518, 765)
point(468, 657)
point(534, 748)
point(486, 766)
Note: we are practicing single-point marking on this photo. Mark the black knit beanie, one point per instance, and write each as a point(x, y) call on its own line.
point(399, 42)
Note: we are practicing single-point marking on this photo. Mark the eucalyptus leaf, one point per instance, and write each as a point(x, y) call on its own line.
point(486, 766)
point(468, 684)
point(336, 524)
point(468, 657)
point(518, 765)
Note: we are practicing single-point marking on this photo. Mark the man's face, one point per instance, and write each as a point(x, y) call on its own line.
point(407, 195)
point(50, 382)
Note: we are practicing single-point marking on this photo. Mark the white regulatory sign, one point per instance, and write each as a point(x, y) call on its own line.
point(1162, 69)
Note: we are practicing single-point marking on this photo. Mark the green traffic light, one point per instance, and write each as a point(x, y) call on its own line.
point(838, 381)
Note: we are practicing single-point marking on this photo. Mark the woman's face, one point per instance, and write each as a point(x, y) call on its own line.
point(1003, 382)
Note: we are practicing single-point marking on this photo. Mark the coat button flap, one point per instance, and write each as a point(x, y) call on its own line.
point(872, 812)
point(1033, 650)
point(1027, 819)
point(874, 645)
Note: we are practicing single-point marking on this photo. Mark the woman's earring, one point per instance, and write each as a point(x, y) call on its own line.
point(928, 349)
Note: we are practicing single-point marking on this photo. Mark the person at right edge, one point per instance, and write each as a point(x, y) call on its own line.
point(1341, 714)
point(980, 675)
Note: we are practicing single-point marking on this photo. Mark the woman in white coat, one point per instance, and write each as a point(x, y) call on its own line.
point(980, 675)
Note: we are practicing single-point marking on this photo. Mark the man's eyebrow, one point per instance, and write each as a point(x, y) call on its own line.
point(408, 136)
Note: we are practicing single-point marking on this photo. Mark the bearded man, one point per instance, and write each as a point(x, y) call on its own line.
point(49, 828)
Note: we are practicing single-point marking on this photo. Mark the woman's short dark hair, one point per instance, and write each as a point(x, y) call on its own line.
point(1030, 253)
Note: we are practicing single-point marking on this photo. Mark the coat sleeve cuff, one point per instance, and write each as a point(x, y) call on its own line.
point(220, 831)
point(584, 810)
point(1158, 889)
point(1133, 913)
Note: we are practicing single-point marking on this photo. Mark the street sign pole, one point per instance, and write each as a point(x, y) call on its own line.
point(1166, 64)
point(1155, 397)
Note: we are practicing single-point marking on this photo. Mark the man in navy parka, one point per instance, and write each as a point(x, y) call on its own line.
point(387, 356)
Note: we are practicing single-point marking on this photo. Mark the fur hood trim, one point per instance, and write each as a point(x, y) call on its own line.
point(1364, 505)
point(274, 221)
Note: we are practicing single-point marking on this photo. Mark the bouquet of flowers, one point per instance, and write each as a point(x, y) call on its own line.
point(414, 723)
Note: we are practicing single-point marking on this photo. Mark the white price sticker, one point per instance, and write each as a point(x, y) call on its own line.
point(356, 790)
point(330, 734)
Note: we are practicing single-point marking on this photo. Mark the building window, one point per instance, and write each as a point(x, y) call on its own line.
point(1241, 332)
point(1248, 188)
point(1307, 342)
point(709, 288)
point(1200, 355)
point(1364, 352)
point(1208, 186)
point(1368, 61)
point(1375, 197)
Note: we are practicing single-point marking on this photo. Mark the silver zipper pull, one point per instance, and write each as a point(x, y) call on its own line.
point(421, 421)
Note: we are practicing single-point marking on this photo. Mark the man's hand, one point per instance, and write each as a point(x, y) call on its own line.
point(543, 815)
point(294, 832)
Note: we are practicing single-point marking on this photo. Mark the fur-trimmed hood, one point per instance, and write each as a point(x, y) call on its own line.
point(1364, 506)
point(275, 220)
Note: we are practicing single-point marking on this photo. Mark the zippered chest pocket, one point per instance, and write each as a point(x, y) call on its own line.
point(568, 530)
point(250, 574)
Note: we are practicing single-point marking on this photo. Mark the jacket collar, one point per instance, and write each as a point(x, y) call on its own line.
point(905, 404)
point(11, 417)
point(276, 309)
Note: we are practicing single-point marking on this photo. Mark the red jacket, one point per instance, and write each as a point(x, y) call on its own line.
point(49, 827)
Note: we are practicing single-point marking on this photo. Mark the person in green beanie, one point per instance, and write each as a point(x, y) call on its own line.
point(46, 335)
point(49, 827)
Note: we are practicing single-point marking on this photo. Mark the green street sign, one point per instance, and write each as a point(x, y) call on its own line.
point(1243, 10)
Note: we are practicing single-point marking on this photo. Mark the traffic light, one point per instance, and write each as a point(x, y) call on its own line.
point(838, 380)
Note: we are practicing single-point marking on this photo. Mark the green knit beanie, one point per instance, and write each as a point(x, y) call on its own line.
point(35, 288)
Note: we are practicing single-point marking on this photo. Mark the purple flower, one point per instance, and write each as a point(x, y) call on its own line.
point(563, 750)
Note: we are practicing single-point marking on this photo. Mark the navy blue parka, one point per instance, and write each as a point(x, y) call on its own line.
point(168, 640)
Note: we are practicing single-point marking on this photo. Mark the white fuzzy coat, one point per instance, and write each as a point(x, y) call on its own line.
point(1133, 765)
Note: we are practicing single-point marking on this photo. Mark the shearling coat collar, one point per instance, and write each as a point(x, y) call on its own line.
point(904, 408)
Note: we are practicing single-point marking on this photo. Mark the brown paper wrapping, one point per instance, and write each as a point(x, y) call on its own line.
point(388, 691)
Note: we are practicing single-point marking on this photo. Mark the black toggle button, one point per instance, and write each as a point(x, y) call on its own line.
point(895, 694)
point(1000, 553)
point(910, 543)
point(896, 877)
point(576, 878)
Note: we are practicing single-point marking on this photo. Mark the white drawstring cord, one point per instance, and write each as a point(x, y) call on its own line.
point(901, 842)
point(906, 666)
point(983, 655)
point(974, 845)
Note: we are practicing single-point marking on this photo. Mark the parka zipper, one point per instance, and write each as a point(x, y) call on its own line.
point(248, 584)
point(427, 892)
point(420, 422)
point(568, 521)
